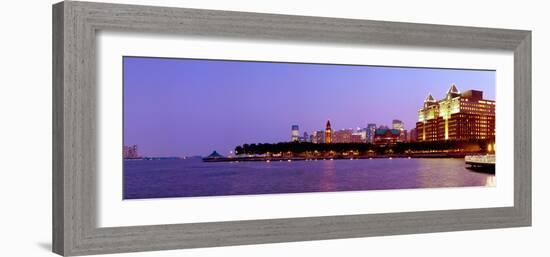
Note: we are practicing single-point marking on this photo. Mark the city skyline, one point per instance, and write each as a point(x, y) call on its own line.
point(185, 107)
point(296, 134)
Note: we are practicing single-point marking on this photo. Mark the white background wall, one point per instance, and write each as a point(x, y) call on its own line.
point(25, 128)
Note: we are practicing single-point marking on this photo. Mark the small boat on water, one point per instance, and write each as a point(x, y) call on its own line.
point(481, 163)
point(488, 160)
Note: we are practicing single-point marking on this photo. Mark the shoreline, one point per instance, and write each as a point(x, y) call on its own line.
point(339, 157)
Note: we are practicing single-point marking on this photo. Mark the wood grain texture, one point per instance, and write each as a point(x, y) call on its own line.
point(522, 128)
point(75, 25)
point(58, 193)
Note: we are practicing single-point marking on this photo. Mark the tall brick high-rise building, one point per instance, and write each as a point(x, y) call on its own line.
point(459, 116)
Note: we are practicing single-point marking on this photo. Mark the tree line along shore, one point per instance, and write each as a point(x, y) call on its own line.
point(307, 149)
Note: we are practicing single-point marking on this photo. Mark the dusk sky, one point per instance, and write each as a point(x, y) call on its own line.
point(185, 107)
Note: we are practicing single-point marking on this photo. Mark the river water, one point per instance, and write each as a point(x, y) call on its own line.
point(192, 177)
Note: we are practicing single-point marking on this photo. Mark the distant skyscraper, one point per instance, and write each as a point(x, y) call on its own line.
point(361, 133)
point(305, 137)
point(130, 152)
point(328, 133)
point(371, 128)
point(318, 137)
point(295, 134)
point(399, 125)
point(412, 135)
point(342, 136)
point(356, 139)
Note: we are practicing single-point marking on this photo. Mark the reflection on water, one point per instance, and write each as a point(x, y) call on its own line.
point(443, 173)
point(192, 177)
point(491, 181)
point(326, 183)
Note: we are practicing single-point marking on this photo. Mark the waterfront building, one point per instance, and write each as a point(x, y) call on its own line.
point(305, 137)
point(361, 133)
point(214, 155)
point(458, 116)
point(385, 136)
point(130, 152)
point(404, 136)
point(412, 135)
point(371, 128)
point(328, 133)
point(399, 125)
point(318, 137)
point(342, 136)
point(356, 139)
point(295, 133)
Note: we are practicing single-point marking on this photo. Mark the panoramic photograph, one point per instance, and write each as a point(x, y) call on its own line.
point(200, 127)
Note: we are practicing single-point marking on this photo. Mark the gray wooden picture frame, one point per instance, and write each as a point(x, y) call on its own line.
point(75, 25)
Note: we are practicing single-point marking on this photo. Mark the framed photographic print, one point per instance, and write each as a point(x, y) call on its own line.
point(183, 128)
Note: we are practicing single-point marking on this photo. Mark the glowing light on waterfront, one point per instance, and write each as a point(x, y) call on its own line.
point(491, 181)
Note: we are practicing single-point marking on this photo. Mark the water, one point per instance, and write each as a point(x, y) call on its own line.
point(192, 177)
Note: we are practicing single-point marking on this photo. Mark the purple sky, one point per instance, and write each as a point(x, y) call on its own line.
point(184, 107)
